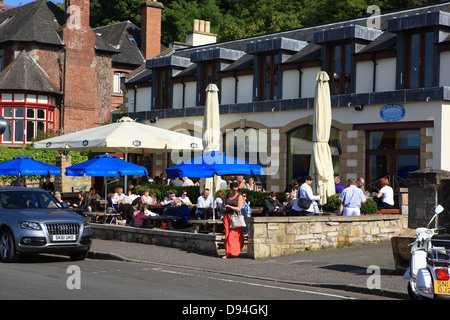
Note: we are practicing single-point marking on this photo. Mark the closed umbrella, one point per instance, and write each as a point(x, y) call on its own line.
point(105, 166)
point(321, 167)
point(211, 130)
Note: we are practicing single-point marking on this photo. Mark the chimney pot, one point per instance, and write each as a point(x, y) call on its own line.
point(207, 26)
point(196, 25)
point(202, 26)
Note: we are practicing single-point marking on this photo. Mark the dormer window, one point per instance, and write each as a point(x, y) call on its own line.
point(419, 59)
point(163, 92)
point(269, 76)
point(270, 54)
point(210, 75)
point(418, 35)
point(341, 68)
point(340, 44)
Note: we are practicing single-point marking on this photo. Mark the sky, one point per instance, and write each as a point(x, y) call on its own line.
point(22, 2)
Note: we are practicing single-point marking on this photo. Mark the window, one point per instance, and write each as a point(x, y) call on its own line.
point(419, 60)
point(119, 80)
point(300, 149)
point(163, 89)
point(340, 68)
point(269, 76)
point(392, 153)
point(24, 123)
point(210, 75)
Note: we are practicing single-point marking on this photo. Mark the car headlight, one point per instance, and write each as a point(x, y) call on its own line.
point(29, 225)
point(86, 227)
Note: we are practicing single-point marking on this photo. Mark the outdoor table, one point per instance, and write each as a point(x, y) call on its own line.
point(103, 215)
point(97, 205)
point(205, 222)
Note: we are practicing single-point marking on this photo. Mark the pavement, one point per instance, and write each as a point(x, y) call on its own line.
point(367, 269)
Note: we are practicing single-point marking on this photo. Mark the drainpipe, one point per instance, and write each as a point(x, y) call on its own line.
point(184, 92)
point(63, 106)
point(135, 97)
point(300, 76)
point(374, 74)
point(236, 80)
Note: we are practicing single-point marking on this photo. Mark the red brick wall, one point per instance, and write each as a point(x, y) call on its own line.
point(81, 99)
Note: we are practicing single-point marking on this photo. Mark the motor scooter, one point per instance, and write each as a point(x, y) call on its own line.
point(428, 272)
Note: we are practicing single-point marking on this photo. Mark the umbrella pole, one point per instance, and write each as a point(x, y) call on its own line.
point(106, 193)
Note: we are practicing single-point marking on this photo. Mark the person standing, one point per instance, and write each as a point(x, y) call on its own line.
point(305, 191)
point(234, 238)
point(351, 199)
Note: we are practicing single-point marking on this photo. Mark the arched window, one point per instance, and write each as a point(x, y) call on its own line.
point(300, 149)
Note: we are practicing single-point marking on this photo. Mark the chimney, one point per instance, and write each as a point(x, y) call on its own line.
point(151, 28)
point(201, 34)
point(77, 14)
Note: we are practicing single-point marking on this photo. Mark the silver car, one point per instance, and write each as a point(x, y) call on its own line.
point(33, 221)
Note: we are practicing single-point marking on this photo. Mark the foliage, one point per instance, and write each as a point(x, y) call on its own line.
point(232, 19)
point(47, 156)
point(332, 204)
point(369, 207)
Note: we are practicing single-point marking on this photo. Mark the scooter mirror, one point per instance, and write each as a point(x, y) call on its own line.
point(439, 209)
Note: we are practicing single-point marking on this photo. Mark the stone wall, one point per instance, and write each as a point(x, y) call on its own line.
point(276, 236)
point(196, 242)
point(427, 188)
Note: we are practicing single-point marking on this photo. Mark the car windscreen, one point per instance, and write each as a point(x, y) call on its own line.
point(28, 200)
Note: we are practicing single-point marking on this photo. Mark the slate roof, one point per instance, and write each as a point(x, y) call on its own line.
point(312, 51)
point(24, 74)
point(120, 36)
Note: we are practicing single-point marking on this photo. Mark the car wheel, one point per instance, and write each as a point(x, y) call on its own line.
point(78, 256)
point(7, 247)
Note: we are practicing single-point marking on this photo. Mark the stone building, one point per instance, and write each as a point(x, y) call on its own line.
point(389, 83)
point(72, 74)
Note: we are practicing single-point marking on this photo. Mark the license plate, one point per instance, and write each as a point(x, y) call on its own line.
point(64, 237)
point(442, 287)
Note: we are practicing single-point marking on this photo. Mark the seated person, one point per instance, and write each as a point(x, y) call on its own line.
point(386, 194)
point(127, 210)
point(271, 204)
point(203, 202)
point(168, 202)
point(118, 197)
point(288, 204)
point(182, 211)
point(184, 198)
point(140, 215)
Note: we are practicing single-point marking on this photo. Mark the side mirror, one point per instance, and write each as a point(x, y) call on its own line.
point(439, 209)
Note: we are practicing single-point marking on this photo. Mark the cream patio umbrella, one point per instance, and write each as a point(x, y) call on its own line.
point(125, 136)
point(211, 131)
point(321, 168)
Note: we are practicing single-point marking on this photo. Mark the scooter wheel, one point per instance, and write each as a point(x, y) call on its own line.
point(412, 294)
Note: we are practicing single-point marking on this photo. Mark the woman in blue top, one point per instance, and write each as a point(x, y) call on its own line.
point(246, 212)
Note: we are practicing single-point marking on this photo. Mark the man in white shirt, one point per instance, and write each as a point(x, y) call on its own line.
point(305, 191)
point(187, 182)
point(351, 199)
point(118, 197)
point(204, 201)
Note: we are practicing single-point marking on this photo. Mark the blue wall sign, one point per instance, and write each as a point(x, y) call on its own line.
point(392, 112)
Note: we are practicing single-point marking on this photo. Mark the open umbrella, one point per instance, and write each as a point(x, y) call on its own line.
point(321, 167)
point(105, 166)
point(125, 136)
point(213, 163)
point(24, 166)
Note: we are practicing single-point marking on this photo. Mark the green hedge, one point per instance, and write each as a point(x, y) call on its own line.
point(333, 203)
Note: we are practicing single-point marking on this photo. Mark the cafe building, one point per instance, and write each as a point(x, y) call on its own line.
point(390, 92)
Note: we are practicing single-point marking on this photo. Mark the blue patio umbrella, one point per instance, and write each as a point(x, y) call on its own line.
point(211, 163)
point(105, 166)
point(24, 165)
